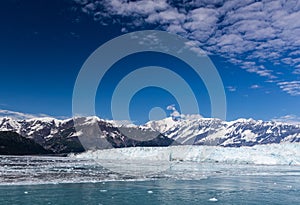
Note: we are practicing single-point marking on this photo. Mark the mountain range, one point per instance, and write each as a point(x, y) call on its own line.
point(62, 136)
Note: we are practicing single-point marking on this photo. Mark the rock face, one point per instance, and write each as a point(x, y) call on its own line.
point(60, 136)
point(12, 143)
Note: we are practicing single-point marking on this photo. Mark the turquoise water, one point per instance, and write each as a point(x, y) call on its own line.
point(227, 190)
point(54, 180)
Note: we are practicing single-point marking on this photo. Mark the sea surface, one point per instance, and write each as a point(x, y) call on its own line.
point(68, 180)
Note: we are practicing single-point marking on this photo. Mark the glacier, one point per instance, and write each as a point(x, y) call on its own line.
point(271, 154)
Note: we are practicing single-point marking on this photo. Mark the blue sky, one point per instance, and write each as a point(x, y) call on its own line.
point(253, 44)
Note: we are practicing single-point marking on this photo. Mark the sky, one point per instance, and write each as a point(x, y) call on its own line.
point(254, 45)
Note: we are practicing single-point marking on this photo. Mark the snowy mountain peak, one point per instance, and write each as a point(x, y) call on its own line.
point(212, 131)
point(188, 130)
point(162, 125)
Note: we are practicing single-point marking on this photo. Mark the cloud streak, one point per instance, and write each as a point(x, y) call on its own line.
point(255, 86)
point(231, 88)
point(292, 87)
point(291, 119)
point(24, 116)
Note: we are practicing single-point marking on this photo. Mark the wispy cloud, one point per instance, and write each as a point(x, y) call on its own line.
point(291, 87)
point(297, 70)
point(231, 88)
point(292, 119)
point(264, 31)
point(20, 115)
point(254, 86)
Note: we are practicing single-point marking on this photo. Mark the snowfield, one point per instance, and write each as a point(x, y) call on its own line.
point(271, 154)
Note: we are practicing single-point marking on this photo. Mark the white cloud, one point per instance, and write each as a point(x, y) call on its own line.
point(171, 107)
point(297, 70)
point(292, 119)
point(169, 16)
point(252, 67)
point(143, 7)
point(176, 29)
point(175, 114)
point(231, 88)
point(20, 115)
point(267, 30)
point(254, 86)
point(201, 23)
point(290, 87)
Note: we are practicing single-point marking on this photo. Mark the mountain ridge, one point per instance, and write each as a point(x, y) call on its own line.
point(61, 136)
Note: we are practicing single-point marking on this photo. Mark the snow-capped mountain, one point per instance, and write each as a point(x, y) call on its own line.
point(241, 132)
point(60, 136)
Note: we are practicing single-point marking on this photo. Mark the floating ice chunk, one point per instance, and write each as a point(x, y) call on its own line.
point(213, 199)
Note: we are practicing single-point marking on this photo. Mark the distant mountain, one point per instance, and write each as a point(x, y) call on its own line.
point(60, 136)
point(241, 132)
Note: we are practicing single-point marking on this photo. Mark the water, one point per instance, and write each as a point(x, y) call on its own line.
point(55, 180)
